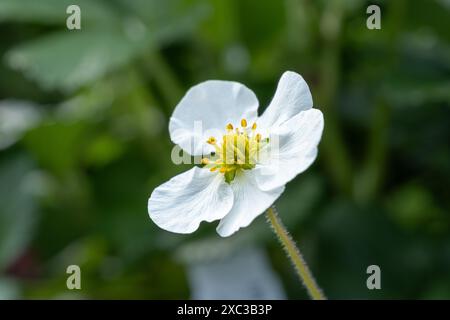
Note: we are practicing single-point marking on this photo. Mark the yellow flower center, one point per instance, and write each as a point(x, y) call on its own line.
point(239, 149)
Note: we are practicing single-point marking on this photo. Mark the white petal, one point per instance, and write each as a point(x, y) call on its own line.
point(293, 148)
point(249, 202)
point(292, 96)
point(180, 204)
point(210, 106)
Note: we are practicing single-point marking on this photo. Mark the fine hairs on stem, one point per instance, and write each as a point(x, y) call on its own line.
point(294, 255)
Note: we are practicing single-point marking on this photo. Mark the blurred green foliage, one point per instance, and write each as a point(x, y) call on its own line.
point(83, 141)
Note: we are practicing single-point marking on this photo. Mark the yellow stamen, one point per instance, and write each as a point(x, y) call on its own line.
point(237, 150)
point(211, 140)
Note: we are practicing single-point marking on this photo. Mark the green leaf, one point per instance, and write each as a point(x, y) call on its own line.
point(9, 289)
point(102, 150)
point(56, 146)
point(16, 117)
point(17, 210)
point(413, 206)
point(53, 12)
point(67, 60)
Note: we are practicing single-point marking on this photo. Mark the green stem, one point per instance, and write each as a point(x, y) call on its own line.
point(164, 78)
point(370, 176)
point(336, 155)
point(373, 170)
point(294, 254)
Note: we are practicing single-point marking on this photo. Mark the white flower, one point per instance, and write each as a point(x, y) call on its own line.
point(249, 166)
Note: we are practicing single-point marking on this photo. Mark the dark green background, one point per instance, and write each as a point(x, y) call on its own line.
point(92, 141)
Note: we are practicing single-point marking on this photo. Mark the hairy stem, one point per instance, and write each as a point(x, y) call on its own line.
point(294, 254)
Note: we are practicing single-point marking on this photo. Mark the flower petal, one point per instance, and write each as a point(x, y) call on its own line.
point(206, 109)
point(249, 202)
point(180, 204)
point(293, 148)
point(292, 96)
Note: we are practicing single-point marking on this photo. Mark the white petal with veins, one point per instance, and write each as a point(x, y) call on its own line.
point(293, 149)
point(206, 109)
point(292, 96)
point(197, 195)
point(249, 202)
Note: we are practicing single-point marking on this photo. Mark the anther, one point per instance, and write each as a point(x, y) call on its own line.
point(229, 127)
point(223, 169)
point(258, 137)
point(213, 169)
point(243, 123)
point(205, 161)
point(211, 140)
point(254, 126)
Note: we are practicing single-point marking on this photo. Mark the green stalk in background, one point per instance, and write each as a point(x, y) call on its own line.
point(336, 155)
